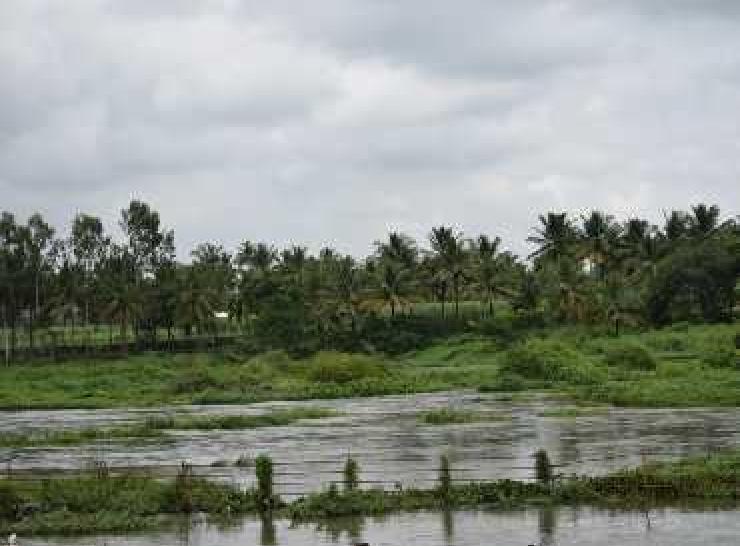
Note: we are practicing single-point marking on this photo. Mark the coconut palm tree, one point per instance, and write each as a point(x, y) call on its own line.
point(488, 267)
point(554, 237)
point(395, 264)
point(394, 282)
point(451, 251)
point(598, 241)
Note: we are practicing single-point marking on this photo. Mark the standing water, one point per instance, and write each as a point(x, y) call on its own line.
point(544, 527)
point(385, 436)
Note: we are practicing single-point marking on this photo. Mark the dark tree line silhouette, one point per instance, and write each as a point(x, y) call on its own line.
point(591, 269)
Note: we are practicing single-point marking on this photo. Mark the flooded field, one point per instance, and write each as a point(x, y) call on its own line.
point(544, 527)
point(385, 436)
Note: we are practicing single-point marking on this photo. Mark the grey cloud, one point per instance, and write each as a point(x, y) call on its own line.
point(330, 122)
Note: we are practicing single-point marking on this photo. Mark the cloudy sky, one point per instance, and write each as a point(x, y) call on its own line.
point(332, 121)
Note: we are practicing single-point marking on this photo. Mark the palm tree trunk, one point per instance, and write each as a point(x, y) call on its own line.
point(30, 328)
point(5, 334)
point(124, 333)
point(457, 301)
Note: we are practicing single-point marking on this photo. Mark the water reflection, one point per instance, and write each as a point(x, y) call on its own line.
point(268, 534)
point(545, 527)
point(448, 524)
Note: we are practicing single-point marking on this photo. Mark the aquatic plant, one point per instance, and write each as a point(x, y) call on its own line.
point(351, 474)
point(444, 477)
point(264, 472)
point(542, 467)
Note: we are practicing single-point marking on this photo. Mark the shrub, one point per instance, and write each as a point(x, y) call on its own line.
point(351, 474)
point(330, 367)
point(9, 501)
point(550, 361)
point(630, 355)
point(720, 356)
point(196, 379)
point(506, 382)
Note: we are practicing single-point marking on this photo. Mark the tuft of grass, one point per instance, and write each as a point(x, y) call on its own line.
point(153, 427)
point(574, 412)
point(449, 416)
point(77, 436)
point(231, 422)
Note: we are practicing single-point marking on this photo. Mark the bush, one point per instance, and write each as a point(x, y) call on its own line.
point(196, 379)
point(630, 355)
point(720, 356)
point(506, 382)
point(9, 501)
point(330, 367)
point(550, 361)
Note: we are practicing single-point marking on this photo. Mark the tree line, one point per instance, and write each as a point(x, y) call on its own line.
point(590, 269)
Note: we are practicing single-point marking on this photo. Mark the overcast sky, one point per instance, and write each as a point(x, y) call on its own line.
point(332, 121)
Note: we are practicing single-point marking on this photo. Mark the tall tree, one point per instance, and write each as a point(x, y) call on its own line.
point(554, 237)
point(489, 267)
point(88, 242)
point(396, 260)
point(451, 250)
point(705, 220)
point(598, 241)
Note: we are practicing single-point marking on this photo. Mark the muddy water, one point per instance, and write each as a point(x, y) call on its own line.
point(545, 527)
point(385, 436)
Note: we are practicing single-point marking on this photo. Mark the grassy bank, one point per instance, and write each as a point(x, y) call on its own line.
point(120, 504)
point(678, 366)
point(155, 427)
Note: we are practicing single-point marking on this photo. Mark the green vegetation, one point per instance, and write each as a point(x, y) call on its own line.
point(631, 356)
point(673, 366)
point(78, 436)
point(68, 297)
point(449, 416)
point(274, 418)
point(575, 412)
point(113, 504)
point(581, 316)
point(153, 427)
point(351, 475)
point(104, 503)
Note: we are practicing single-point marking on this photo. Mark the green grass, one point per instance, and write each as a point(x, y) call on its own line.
point(154, 427)
point(679, 366)
point(77, 436)
point(449, 416)
point(102, 503)
point(275, 418)
point(574, 412)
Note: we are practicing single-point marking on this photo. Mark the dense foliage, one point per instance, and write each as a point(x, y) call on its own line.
point(592, 270)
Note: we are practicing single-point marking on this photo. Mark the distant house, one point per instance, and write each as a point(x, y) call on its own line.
point(220, 314)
